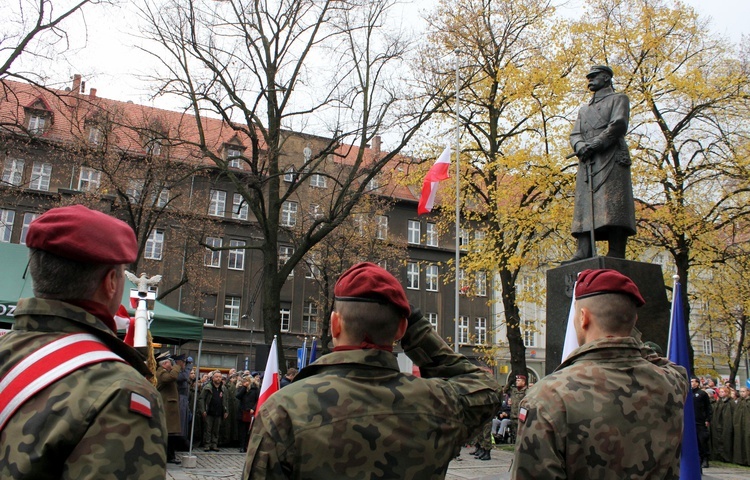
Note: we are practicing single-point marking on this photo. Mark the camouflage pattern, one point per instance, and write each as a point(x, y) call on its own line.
point(516, 396)
point(80, 427)
point(610, 411)
point(353, 414)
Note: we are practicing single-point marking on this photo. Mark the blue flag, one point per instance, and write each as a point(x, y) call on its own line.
point(677, 352)
point(313, 350)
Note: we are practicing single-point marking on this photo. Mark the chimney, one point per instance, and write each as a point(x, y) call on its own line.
point(92, 93)
point(76, 84)
point(376, 143)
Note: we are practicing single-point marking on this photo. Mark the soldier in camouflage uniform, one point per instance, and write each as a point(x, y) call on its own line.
point(353, 414)
point(100, 418)
point(517, 392)
point(613, 409)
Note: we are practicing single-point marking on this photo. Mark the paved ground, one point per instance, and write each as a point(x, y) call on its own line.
point(227, 464)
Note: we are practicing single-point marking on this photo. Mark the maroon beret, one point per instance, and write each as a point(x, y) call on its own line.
point(366, 282)
point(521, 376)
point(84, 235)
point(597, 282)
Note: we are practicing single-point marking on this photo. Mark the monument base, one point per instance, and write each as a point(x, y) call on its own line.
point(189, 461)
point(653, 317)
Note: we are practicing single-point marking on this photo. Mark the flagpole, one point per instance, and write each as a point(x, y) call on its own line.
point(675, 286)
point(458, 198)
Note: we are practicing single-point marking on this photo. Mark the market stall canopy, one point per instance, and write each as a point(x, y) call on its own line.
point(168, 325)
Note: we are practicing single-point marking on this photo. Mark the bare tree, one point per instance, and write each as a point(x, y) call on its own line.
point(269, 66)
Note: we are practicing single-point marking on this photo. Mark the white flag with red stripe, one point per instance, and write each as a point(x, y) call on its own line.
point(271, 377)
point(437, 173)
point(124, 321)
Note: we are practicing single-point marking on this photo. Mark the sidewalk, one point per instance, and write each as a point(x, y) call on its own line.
point(228, 463)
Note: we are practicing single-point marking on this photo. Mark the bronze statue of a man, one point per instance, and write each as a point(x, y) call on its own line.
point(604, 191)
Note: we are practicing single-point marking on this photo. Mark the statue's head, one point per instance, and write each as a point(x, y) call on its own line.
point(599, 76)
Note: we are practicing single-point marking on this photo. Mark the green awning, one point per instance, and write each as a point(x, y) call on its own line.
point(168, 325)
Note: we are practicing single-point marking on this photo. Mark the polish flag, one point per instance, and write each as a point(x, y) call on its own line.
point(437, 173)
point(124, 322)
point(270, 377)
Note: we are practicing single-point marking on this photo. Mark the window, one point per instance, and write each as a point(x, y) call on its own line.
point(462, 282)
point(481, 279)
point(234, 155)
point(27, 219)
point(239, 207)
point(315, 211)
point(89, 179)
point(162, 199)
point(154, 245)
point(313, 271)
point(13, 172)
point(318, 181)
point(208, 308)
point(6, 224)
point(37, 122)
point(96, 134)
point(290, 174)
point(431, 278)
point(414, 231)
point(218, 203)
point(232, 311)
point(463, 330)
point(237, 255)
point(382, 225)
point(433, 319)
point(708, 348)
point(374, 183)
point(134, 190)
point(479, 237)
point(480, 328)
point(212, 258)
point(412, 275)
point(285, 253)
point(431, 235)
point(463, 239)
point(310, 318)
point(529, 333)
point(359, 224)
point(153, 147)
point(286, 317)
point(41, 173)
point(288, 214)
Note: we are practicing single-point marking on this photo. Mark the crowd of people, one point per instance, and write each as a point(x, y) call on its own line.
point(722, 415)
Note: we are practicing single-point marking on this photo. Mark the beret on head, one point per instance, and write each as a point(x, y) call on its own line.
point(83, 235)
point(521, 377)
point(600, 68)
point(598, 282)
point(367, 282)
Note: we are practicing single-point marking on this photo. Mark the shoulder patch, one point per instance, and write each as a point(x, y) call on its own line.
point(522, 414)
point(140, 404)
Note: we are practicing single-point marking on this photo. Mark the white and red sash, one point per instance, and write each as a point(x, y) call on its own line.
point(47, 365)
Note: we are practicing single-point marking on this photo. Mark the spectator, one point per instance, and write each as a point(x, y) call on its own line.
point(702, 407)
point(613, 408)
point(353, 414)
point(214, 407)
point(166, 376)
point(741, 440)
point(289, 377)
point(722, 430)
point(183, 390)
point(247, 395)
point(89, 420)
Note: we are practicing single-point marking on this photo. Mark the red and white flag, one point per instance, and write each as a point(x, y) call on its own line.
point(437, 173)
point(270, 377)
point(125, 322)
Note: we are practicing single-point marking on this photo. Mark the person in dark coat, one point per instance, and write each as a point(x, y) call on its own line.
point(722, 427)
point(166, 376)
point(598, 140)
point(247, 397)
point(741, 440)
point(702, 407)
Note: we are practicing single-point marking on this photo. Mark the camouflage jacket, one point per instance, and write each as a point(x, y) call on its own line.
point(82, 426)
point(516, 395)
point(353, 414)
point(610, 411)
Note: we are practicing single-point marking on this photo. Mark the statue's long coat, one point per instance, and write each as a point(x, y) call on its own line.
point(603, 124)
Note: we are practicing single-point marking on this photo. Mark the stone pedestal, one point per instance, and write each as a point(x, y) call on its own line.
point(189, 461)
point(653, 317)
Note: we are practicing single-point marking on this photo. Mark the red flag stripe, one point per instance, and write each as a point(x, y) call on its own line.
point(270, 377)
point(438, 172)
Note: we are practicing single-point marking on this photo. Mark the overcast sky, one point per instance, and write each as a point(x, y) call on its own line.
point(109, 60)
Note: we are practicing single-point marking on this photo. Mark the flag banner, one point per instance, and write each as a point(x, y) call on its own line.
point(313, 350)
point(438, 172)
point(677, 352)
point(270, 383)
point(571, 339)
